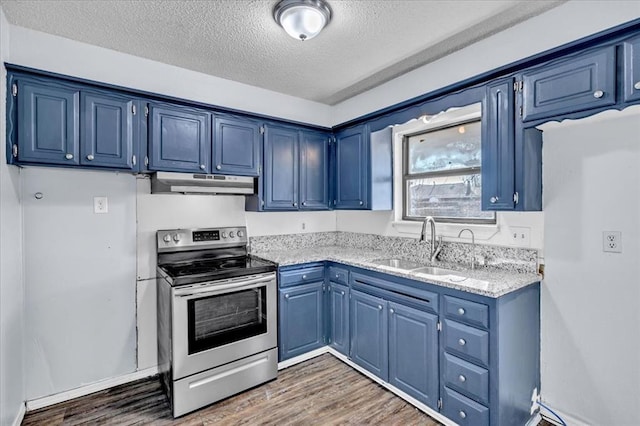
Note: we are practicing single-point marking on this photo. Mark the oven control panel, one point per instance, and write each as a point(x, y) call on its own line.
point(188, 239)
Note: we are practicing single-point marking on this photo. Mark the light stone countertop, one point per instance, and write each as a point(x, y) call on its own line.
point(491, 282)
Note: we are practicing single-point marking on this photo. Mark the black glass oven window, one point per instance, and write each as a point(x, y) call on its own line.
point(218, 320)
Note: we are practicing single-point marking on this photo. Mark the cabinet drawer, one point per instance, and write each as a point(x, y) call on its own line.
point(472, 313)
point(339, 275)
point(466, 378)
point(466, 342)
point(462, 410)
point(301, 276)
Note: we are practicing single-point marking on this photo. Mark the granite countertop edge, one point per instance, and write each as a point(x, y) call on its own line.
point(490, 282)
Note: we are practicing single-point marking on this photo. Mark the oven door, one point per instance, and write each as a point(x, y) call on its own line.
point(222, 321)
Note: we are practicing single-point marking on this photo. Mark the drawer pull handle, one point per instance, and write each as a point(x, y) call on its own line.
point(462, 342)
point(637, 85)
point(598, 94)
point(304, 277)
point(463, 415)
point(461, 311)
point(462, 378)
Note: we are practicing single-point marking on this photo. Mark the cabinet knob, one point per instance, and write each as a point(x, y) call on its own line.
point(379, 307)
point(342, 293)
point(286, 296)
point(361, 202)
point(304, 277)
point(463, 415)
point(637, 85)
point(337, 275)
point(202, 166)
point(391, 311)
point(598, 94)
point(295, 204)
point(304, 203)
point(462, 342)
point(218, 167)
point(90, 157)
point(461, 311)
point(69, 156)
point(462, 378)
point(493, 200)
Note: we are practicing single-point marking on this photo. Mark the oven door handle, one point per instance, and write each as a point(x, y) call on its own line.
point(224, 288)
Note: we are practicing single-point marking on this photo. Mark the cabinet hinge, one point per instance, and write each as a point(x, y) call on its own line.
point(14, 150)
point(133, 160)
point(520, 111)
point(517, 86)
point(146, 111)
point(439, 326)
point(516, 198)
point(260, 170)
point(262, 203)
point(146, 160)
point(439, 403)
point(262, 130)
point(334, 202)
point(133, 109)
point(14, 89)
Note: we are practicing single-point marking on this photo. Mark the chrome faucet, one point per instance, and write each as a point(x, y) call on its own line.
point(435, 250)
point(473, 246)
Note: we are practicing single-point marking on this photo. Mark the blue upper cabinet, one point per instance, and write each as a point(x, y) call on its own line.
point(47, 122)
point(584, 82)
point(179, 138)
point(369, 333)
point(236, 146)
point(351, 168)
point(314, 171)
point(632, 70)
point(107, 130)
point(280, 168)
point(498, 146)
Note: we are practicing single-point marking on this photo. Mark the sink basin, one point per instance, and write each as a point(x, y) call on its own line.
point(432, 270)
point(397, 263)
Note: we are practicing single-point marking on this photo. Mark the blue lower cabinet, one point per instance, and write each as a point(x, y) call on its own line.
point(369, 333)
point(466, 342)
point(301, 320)
point(339, 317)
point(413, 353)
point(466, 378)
point(462, 410)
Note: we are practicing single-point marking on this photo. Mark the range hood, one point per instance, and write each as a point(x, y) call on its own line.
point(198, 183)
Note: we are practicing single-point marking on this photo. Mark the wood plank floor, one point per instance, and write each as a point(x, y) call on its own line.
point(321, 391)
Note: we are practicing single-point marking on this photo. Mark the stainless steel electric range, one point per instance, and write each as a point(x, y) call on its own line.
point(217, 316)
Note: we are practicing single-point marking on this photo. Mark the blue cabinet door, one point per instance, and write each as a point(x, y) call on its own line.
point(632, 70)
point(413, 353)
point(498, 146)
point(584, 82)
point(369, 333)
point(351, 169)
point(106, 130)
point(314, 171)
point(339, 317)
point(179, 138)
point(48, 128)
point(301, 320)
point(236, 147)
point(280, 169)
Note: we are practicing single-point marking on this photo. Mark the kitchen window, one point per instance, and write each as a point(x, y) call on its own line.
point(441, 174)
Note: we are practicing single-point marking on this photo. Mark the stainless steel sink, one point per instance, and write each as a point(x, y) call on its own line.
point(433, 270)
point(397, 263)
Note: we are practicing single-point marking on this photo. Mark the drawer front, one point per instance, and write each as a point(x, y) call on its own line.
point(466, 342)
point(462, 410)
point(339, 275)
point(472, 313)
point(466, 378)
point(301, 276)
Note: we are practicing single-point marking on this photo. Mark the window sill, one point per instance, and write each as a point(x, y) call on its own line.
point(449, 231)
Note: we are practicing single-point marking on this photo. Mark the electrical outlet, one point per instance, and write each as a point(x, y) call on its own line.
point(100, 205)
point(520, 236)
point(612, 241)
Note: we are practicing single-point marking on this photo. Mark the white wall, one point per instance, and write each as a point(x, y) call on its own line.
point(563, 24)
point(590, 302)
point(80, 313)
point(52, 53)
point(11, 285)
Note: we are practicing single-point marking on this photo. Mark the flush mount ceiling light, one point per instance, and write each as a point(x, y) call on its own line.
point(302, 19)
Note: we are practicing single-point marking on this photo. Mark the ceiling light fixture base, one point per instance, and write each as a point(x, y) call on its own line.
point(302, 19)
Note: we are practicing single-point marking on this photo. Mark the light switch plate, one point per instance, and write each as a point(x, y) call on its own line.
point(100, 205)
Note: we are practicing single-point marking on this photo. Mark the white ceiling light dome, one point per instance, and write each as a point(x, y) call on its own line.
point(302, 19)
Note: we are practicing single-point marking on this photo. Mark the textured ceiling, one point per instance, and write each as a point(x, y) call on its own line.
point(365, 44)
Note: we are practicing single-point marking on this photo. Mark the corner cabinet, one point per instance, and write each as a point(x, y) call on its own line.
point(179, 138)
point(236, 146)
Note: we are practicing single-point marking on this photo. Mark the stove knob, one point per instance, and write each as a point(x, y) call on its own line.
point(231, 234)
point(240, 234)
point(167, 238)
point(224, 234)
point(176, 237)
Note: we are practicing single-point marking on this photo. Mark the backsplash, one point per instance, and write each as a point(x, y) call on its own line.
point(509, 258)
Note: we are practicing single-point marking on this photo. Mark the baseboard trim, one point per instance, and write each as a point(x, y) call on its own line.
point(568, 419)
point(20, 416)
point(301, 358)
point(46, 401)
point(411, 400)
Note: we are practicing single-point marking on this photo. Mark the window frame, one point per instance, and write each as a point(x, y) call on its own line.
point(406, 176)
